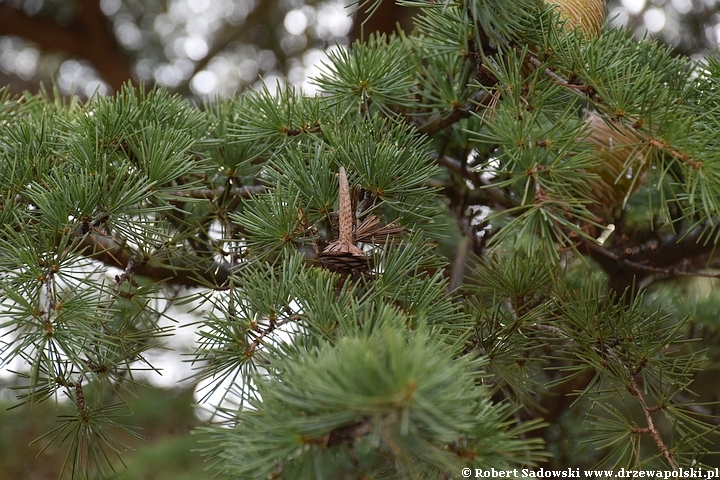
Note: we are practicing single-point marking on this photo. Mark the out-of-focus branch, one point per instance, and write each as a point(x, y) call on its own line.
point(483, 193)
point(444, 119)
point(381, 17)
point(671, 257)
point(212, 193)
point(88, 36)
point(190, 270)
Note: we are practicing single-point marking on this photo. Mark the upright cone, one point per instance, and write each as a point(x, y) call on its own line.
point(343, 255)
point(623, 169)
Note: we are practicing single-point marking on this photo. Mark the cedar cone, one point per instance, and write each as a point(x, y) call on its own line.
point(343, 255)
point(624, 164)
point(588, 15)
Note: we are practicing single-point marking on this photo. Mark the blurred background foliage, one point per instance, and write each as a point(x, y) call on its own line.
point(209, 48)
point(218, 47)
point(164, 417)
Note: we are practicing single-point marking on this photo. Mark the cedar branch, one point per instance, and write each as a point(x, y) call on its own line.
point(182, 272)
point(654, 433)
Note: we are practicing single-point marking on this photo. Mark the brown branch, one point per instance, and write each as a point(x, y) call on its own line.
point(186, 271)
point(484, 192)
point(654, 433)
point(638, 267)
point(88, 36)
point(264, 333)
point(443, 120)
point(220, 192)
point(126, 275)
point(582, 91)
point(579, 89)
point(680, 156)
point(80, 397)
point(669, 258)
point(381, 17)
point(348, 434)
point(552, 329)
point(460, 168)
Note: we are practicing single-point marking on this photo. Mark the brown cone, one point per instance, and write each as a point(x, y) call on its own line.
point(624, 164)
point(342, 254)
point(588, 15)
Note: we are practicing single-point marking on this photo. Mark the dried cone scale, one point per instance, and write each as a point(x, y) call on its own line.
point(588, 15)
point(623, 167)
point(370, 231)
point(342, 254)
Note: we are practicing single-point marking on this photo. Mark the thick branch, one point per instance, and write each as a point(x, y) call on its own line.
point(188, 271)
point(219, 192)
point(670, 258)
point(443, 120)
point(483, 193)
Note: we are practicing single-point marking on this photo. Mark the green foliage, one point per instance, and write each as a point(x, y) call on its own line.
point(370, 75)
point(402, 393)
point(485, 310)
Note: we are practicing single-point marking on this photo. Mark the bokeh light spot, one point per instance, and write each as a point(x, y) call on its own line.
point(295, 22)
point(195, 47)
point(128, 35)
point(198, 6)
point(633, 6)
point(110, 7)
point(248, 70)
point(654, 18)
point(682, 6)
point(204, 83)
